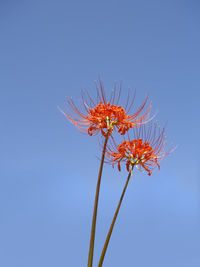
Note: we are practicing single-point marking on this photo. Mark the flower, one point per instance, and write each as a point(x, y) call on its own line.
point(104, 116)
point(145, 151)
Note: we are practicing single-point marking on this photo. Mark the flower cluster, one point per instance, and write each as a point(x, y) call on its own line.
point(145, 150)
point(105, 116)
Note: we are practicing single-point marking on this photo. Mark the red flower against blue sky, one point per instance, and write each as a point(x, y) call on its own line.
point(145, 151)
point(103, 115)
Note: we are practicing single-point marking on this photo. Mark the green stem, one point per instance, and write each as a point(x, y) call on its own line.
point(93, 228)
point(113, 221)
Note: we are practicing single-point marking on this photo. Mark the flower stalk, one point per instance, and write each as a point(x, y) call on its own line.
point(93, 228)
point(114, 219)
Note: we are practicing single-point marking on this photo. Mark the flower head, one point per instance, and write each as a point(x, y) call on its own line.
point(145, 151)
point(104, 116)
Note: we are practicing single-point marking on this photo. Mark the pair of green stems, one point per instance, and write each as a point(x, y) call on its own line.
point(93, 228)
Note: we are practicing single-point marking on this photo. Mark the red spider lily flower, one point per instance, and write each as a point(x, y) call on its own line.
point(103, 116)
point(145, 151)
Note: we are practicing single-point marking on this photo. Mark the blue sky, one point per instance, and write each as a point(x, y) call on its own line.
point(52, 49)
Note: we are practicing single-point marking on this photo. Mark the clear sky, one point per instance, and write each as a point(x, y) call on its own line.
point(52, 49)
